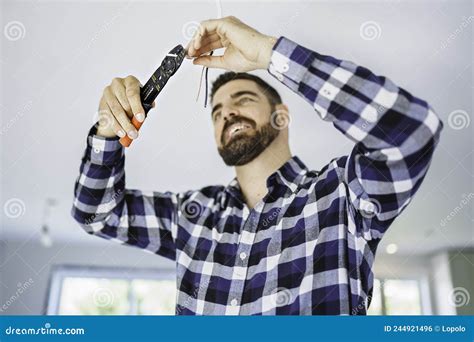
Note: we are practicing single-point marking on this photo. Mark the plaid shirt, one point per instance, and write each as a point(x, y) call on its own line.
point(308, 247)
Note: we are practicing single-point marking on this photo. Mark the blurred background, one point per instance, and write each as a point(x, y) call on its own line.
point(56, 59)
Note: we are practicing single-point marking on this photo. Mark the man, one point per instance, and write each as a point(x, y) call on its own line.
point(279, 239)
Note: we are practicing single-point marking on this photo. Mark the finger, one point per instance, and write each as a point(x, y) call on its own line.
point(132, 91)
point(206, 29)
point(118, 89)
point(120, 115)
point(106, 120)
point(211, 39)
point(208, 48)
point(210, 61)
point(212, 25)
point(204, 41)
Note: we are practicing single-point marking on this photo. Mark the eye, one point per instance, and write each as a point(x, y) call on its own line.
point(244, 100)
point(216, 116)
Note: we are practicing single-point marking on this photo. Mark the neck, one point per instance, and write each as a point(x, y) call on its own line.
point(252, 177)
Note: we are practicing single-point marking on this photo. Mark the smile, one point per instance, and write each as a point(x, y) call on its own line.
point(236, 129)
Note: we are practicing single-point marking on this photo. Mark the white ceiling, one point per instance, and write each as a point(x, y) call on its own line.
point(53, 77)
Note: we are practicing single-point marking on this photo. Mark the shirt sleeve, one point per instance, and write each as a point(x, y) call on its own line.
point(395, 133)
point(105, 208)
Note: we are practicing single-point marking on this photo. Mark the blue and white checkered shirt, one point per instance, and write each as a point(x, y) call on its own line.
point(308, 247)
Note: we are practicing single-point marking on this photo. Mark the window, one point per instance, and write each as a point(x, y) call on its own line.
point(111, 291)
point(396, 297)
point(78, 290)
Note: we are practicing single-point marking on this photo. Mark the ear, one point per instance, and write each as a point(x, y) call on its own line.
point(282, 108)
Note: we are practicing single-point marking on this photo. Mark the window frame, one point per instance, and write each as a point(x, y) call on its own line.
point(423, 291)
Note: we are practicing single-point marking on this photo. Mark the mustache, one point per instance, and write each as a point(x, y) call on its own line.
point(233, 120)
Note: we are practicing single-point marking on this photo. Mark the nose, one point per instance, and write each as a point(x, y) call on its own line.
point(228, 112)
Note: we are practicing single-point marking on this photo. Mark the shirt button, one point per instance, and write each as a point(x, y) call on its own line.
point(280, 77)
point(285, 67)
point(233, 302)
point(243, 255)
point(96, 150)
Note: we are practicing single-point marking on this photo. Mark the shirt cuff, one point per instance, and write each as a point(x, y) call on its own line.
point(102, 150)
point(289, 61)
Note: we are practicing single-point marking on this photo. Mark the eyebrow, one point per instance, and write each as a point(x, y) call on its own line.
point(233, 96)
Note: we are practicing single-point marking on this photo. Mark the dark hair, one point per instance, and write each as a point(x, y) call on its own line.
point(270, 92)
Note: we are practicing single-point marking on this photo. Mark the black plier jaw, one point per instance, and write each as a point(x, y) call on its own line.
point(160, 77)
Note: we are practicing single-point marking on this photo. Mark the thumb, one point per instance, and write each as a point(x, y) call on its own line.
point(210, 61)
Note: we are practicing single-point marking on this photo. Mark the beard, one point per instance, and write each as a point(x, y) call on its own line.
point(244, 148)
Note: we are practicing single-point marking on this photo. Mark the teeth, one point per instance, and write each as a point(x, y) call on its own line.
point(237, 128)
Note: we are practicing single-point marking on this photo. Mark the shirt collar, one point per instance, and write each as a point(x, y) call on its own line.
point(290, 175)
